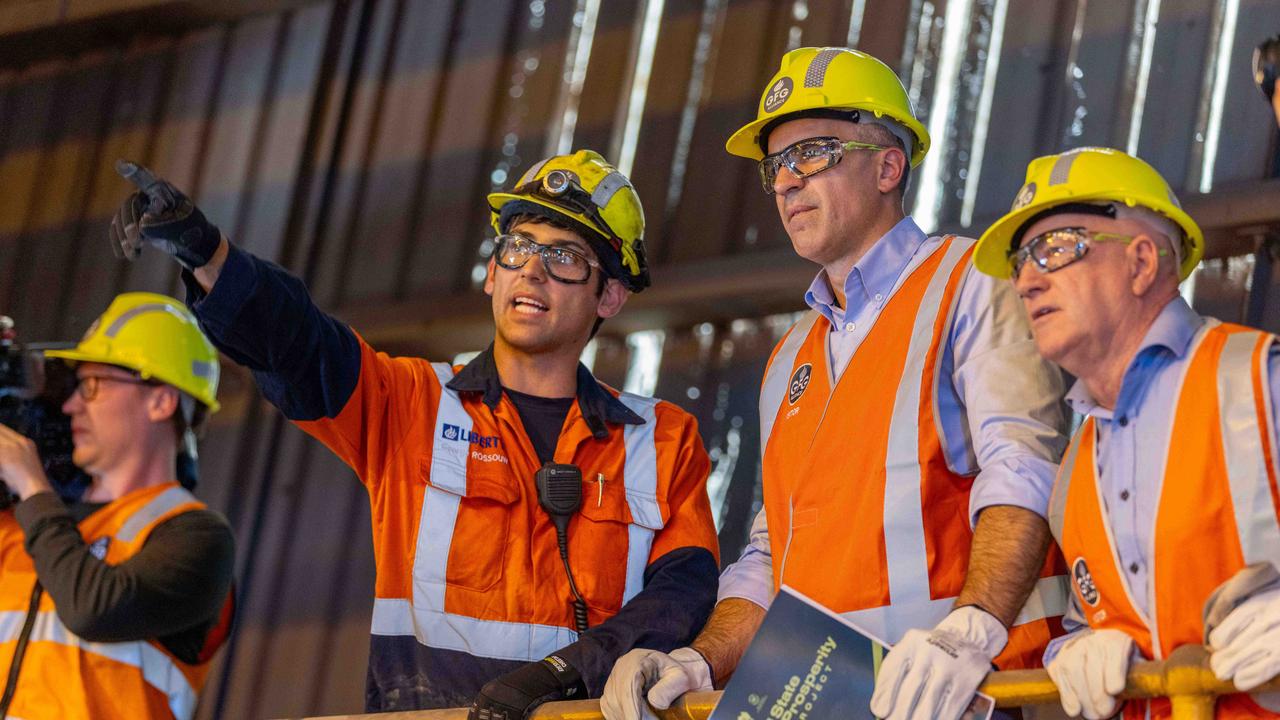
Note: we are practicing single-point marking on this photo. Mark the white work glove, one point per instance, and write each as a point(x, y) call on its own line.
point(1246, 645)
point(657, 676)
point(1090, 671)
point(934, 674)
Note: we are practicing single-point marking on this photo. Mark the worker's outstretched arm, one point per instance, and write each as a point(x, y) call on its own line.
point(307, 363)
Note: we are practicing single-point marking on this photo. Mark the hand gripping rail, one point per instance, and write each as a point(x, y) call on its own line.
point(1185, 678)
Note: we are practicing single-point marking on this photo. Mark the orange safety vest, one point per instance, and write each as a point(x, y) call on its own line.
point(69, 678)
point(1218, 496)
point(467, 560)
point(864, 514)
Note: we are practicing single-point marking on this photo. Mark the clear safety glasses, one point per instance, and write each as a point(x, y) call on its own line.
point(808, 157)
point(1059, 248)
point(564, 264)
point(87, 386)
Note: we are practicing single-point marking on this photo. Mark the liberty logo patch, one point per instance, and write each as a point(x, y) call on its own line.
point(98, 548)
point(778, 94)
point(799, 382)
point(1025, 196)
point(453, 432)
point(1084, 581)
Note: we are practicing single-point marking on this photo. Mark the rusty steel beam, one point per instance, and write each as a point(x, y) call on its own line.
point(32, 30)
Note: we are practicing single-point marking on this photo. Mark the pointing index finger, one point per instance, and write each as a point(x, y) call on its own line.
point(143, 179)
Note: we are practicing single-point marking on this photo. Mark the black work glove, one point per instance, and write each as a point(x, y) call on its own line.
point(159, 214)
point(515, 695)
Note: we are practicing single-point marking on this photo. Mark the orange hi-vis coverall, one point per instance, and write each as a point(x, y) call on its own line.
point(864, 513)
point(1218, 508)
point(64, 676)
point(470, 584)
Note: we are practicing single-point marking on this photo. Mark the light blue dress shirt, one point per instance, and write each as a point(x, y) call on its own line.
point(1002, 417)
point(1133, 443)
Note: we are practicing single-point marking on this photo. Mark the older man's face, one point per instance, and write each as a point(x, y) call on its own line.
point(1076, 310)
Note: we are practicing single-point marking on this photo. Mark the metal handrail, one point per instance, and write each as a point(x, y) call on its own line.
point(1184, 678)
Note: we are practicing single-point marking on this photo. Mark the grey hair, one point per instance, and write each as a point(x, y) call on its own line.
point(1161, 225)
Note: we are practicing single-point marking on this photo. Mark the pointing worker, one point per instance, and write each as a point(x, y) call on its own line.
point(910, 432)
point(1166, 504)
point(473, 598)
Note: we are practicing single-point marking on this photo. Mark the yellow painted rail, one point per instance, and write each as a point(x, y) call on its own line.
point(1185, 678)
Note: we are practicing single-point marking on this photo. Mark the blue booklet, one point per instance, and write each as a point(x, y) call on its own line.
point(807, 663)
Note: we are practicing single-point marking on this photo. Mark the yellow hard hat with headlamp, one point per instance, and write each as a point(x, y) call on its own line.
point(595, 198)
point(1089, 175)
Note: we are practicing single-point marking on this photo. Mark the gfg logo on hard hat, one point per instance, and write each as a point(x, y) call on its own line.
point(778, 94)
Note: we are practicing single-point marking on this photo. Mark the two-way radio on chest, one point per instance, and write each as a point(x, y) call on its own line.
point(560, 495)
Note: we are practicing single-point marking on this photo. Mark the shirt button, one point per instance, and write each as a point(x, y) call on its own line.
point(879, 297)
point(1124, 494)
point(848, 327)
point(1133, 568)
point(1124, 420)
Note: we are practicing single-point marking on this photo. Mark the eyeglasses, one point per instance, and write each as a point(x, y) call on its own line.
point(88, 386)
point(808, 157)
point(562, 189)
point(1059, 248)
point(564, 264)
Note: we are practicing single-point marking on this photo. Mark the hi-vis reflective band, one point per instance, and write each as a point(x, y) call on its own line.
point(159, 505)
point(1242, 439)
point(424, 617)
point(905, 553)
point(777, 378)
point(816, 75)
point(158, 670)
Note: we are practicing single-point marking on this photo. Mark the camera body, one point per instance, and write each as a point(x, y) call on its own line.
point(32, 391)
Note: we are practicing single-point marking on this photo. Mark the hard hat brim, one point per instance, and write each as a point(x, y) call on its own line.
point(498, 200)
point(744, 143)
point(75, 355)
point(991, 256)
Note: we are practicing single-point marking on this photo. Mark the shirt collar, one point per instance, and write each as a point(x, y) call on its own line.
point(876, 273)
point(1173, 330)
point(597, 404)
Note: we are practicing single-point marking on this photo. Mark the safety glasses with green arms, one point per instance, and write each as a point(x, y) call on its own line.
point(808, 157)
point(1058, 248)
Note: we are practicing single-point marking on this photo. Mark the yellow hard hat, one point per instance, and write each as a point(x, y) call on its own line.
point(157, 337)
point(588, 192)
point(811, 80)
point(1089, 175)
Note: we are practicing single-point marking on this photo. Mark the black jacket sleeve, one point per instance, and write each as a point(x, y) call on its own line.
point(178, 581)
point(679, 592)
point(306, 362)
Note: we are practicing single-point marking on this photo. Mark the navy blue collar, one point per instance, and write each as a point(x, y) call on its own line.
point(597, 404)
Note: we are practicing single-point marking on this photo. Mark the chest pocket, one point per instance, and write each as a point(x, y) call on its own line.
point(613, 520)
point(469, 524)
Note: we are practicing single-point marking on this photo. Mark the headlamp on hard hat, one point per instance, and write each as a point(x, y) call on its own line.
point(561, 188)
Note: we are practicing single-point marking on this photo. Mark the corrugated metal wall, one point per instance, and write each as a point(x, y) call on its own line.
point(353, 142)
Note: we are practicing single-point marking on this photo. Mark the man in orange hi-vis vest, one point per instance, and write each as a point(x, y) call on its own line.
point(910, 431)
point(113, 603)
point(1166, 504)
point(482, 595)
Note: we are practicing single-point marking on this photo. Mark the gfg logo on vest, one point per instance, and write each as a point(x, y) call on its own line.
point(453, 432)
point(1084, 581)
point(799, 382)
